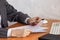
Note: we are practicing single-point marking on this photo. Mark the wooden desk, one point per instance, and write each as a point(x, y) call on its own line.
point(32, 36)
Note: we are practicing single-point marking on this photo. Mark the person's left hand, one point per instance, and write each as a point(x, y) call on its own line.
point(33, 21)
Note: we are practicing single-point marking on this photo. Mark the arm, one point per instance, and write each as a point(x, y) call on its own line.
point(14, 32)
point(3, 32)
point(13, 15)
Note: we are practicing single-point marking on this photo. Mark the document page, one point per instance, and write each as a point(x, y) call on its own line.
point(36, 28)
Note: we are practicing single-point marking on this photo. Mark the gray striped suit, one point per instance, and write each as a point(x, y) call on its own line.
point(11, 15)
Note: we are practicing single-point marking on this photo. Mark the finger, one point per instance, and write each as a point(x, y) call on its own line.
point(32, 22)
point(25, 35)
point(14, 35)
point(26, 32)
point(38, 20)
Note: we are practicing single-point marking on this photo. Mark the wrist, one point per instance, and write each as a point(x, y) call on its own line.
point(28, 21)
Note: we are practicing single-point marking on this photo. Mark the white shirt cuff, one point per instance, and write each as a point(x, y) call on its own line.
point(9, 32)
point(26, 20)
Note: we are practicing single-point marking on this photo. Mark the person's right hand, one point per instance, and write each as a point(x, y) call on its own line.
point(33, 21)
point(20, 32)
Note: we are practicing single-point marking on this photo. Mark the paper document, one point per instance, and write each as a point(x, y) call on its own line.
point(36, 28)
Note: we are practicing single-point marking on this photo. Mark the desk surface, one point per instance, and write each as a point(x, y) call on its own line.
point(32, 36)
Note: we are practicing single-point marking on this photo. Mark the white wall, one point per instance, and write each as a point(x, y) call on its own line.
point(41, 8)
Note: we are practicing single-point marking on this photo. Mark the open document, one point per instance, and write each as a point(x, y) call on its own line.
point(36, 28)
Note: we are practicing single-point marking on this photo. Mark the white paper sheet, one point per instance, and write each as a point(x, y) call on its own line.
point(36, 28)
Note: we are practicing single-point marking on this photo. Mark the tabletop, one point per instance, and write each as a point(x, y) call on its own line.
point(32, 36)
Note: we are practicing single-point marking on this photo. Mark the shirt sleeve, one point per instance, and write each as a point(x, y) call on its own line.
point(9, 32)
point(27, 20)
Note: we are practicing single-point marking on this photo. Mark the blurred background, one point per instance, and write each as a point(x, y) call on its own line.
point(42, 8)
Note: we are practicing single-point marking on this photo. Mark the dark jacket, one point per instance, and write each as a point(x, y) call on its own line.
point(12, 15)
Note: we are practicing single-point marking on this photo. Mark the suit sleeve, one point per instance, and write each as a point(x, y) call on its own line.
point(3, 32)
point(13, 15)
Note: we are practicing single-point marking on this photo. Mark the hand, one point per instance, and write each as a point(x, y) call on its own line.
point(20, 32)
point(34, 21)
